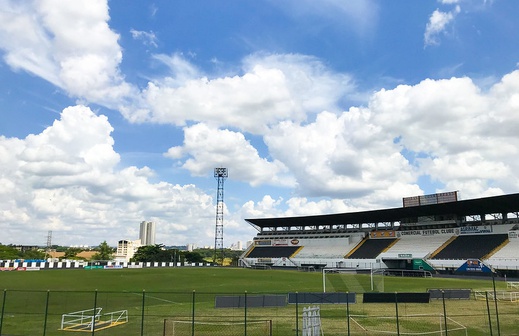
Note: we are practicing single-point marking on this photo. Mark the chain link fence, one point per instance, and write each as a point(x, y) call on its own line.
point(194, 313)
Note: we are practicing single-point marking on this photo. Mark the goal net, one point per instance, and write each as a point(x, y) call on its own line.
point(214, 328)
point(349, 280)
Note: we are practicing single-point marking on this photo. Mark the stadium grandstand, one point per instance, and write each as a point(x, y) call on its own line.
point(435, 233)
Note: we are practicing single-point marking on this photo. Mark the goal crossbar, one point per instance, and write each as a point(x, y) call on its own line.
point(373, 274)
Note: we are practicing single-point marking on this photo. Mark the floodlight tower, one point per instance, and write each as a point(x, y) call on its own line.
point(49, 244)
point(220, 174)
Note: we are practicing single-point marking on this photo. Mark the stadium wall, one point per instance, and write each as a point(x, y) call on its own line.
point(36, 266)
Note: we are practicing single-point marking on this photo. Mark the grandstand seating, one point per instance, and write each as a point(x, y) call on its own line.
point(438, 230)
point(272, 251)
point(371, 248)
point(471, 246)
point(508, 251)
point(327, 248)
point(419, 246)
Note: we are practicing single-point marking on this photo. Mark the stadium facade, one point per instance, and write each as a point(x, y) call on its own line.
point(435, 233)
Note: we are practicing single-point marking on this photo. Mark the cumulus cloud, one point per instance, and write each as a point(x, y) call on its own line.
point(442, 130)
point(344, 156)
point(207, 148)
point(68, 44)
point(67, 180)
point(460, 135)
point(272, 88)
point(438, 22)
point(449, 131)
point(68, 177)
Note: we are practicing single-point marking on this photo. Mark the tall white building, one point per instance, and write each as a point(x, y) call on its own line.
point(147, 233)
point(238, 246)
point(126, 249)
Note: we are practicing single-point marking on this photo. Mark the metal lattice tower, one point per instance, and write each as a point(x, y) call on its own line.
point(220, 174)
point(49, 243)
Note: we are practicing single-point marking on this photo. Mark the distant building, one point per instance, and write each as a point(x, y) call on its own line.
point(126, 249)
point(147, 233)
point(238, 246)
point(25, 248)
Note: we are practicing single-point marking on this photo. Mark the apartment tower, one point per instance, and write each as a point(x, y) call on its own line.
point(147, 233)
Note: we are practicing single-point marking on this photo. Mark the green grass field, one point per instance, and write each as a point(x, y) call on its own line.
point(217, 280)
point(35, 301)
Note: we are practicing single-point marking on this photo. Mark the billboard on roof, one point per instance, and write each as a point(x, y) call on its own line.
point(446, 197)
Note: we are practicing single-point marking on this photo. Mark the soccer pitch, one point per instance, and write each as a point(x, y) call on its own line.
point(213, 279)
point(36, 301)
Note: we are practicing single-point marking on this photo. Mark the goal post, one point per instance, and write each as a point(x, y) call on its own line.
point(174, 327)
point(352, 280)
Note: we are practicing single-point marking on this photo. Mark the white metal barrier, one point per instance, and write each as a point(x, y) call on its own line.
point(85, 318)
point(499, 295)
point(88, 319)
point(512, 284)
point(312, 321)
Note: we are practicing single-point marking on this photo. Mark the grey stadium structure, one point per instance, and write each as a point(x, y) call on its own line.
point(435, 233)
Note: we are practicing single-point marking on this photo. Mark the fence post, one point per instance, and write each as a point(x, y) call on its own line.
point(245, 311)
point(3, 308)
point(297, 314)
point(95, 313)
point(46, 313)
point(348, 311)
point(495, 302)
point(444, 313)
point(142, 311)
point(488, 312)
point(193, 316)
point(396, 311)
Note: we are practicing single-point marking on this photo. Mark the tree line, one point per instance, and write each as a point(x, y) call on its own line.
point(149, 253)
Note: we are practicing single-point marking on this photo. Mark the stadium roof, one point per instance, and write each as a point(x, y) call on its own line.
point(479, 206)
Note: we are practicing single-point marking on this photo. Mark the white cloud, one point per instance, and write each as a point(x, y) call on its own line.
point(207, 148)
point(448, 131)
point(66, 179)
point(443, 130)
point(345, 156)
point(438, 22)
point(181, 70)
point(273, 88)
point(148, 38)
point(462, 137)
point(66, 43)
point(361, 16)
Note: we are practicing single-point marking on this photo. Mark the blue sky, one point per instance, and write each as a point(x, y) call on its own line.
point(114, 112)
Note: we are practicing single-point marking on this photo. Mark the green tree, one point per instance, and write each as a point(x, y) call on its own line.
point(147, 253)
point(33, 254)
point(157, 252)
point(9, 253)
point(105, 252)
point(71, 253)
point(193, 257)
